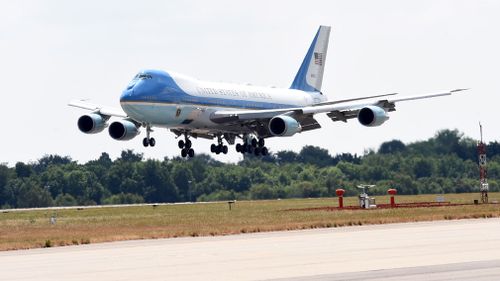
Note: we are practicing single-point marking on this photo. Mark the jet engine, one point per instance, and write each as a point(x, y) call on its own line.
point(91, 123)
point(123, 130)
point(284, 126)
point(372, 116)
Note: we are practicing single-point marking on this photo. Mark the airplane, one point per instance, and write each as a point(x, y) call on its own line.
point(192, 108)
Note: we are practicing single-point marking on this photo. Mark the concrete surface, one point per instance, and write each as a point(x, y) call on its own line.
point(477, 271)
point(444, 250)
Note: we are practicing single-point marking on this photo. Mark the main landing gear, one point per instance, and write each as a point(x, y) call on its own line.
point(252, 145)
point(218, 148)
point(185, 146)
point(147, 141)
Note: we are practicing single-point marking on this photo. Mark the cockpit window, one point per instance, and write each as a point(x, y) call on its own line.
point(140, 76)
point(143, 76)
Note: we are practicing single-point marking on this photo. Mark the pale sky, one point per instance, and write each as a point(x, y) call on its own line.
point(55, 51)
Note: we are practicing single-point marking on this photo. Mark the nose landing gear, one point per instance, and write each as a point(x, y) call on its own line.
point(147, 141)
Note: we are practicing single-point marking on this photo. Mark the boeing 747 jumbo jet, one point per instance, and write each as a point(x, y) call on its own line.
point(192, 108)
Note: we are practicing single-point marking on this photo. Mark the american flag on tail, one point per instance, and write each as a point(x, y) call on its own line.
point(318, 58)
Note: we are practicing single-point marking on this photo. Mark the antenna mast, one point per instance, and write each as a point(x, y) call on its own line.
point(483, 179)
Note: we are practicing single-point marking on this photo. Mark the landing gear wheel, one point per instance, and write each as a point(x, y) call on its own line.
point(145, 142)
point(181, 144)
point(254, 142)
point(220, 147)
point(238, 147)
point(188, 144)
point(152, 142)
point(185, 146)
point(256, 151)
point(264, 151)
point(261, 142)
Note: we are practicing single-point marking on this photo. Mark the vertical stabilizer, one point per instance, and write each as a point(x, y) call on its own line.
point(310, 75)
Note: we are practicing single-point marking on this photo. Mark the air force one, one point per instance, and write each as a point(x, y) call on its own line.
point(192, 108)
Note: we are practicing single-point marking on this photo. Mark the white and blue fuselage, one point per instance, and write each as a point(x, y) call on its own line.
point(179, 102)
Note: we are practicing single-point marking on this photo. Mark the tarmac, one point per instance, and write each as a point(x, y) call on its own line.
point(440, 250)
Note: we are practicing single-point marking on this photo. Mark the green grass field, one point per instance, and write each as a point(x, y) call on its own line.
point(32, 229)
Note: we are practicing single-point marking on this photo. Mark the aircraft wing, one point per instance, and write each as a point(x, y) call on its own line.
point(336, 110)
point(103, 110)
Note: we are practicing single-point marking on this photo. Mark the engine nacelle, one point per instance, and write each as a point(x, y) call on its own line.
point(123, 130)
point(91, 123)
point(372, 116)
point(284, 126)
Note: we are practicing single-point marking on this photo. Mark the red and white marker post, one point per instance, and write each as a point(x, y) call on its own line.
point(340, 193)
point(392, 192)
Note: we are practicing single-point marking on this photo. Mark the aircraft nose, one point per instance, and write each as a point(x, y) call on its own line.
point(135, 91)
point(127, 94)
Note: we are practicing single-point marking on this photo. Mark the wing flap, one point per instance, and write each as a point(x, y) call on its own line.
point(224, 116)
point(354, 99)
point(308, 123)
point(343, 116)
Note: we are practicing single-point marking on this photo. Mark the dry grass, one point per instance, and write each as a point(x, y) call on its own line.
point(32, 229)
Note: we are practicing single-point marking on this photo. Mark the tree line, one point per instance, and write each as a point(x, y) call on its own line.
point(445, 163)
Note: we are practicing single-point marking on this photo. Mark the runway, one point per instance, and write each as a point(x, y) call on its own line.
point(444, 250)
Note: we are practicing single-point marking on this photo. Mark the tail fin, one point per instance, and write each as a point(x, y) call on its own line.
point(310, 74)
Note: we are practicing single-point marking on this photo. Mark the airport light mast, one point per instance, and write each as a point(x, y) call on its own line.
point(483, 173)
